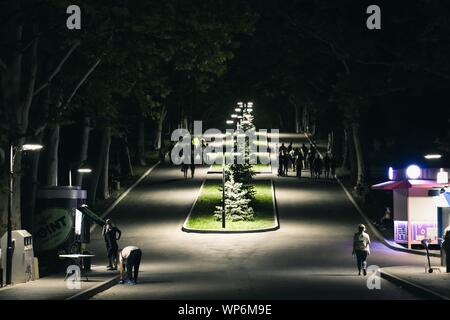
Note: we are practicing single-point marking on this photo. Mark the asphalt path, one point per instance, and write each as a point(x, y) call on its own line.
point(309, 257)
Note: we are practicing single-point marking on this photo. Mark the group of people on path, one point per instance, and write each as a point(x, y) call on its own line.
point(127, 259)
point(190, 165)
point(299, 158)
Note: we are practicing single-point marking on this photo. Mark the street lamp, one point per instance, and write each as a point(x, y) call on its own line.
point(79, 170)
point(432, 156)
point(13, 150)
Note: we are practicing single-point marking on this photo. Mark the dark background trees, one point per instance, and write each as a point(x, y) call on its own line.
point(112, 91)
point(96, 94)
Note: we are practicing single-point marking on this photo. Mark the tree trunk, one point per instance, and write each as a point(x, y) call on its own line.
point(159, 129)
point(330, 145)
point(128, 167)
point(361, 173)
point(345, 149)
point(84, 148)
point(280, 121)
point(297, 120)
point(104, 185)
point(352, 157)
point(141, 144)
point(99, 167)
point(52, 148)
point(32, 184)
point(305, 120)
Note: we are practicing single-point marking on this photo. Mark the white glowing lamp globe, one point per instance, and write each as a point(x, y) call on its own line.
point(391, 173)
point(413, 172)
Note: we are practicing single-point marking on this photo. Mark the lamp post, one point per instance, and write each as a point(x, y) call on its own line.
point(9, 246)
point(223, 191)
point(79, 170)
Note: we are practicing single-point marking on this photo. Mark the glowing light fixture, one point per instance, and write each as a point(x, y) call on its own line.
point(234, 115)
point(78, 221)
point(391, 173)
point(442, 176)
point(432, 156)
point(238, 109)
point(31, 147)
point(413, 172)
point(84, 170)
point(230, 121)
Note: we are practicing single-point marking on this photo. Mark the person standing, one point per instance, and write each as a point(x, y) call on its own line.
point(305, 156)
point(297, 154)
point(280, 164)
point(282, 148)
point(311, 164)
point(289, 148)
point(361, 248)
point(286, 163)
point(299, 165)
point(318, 166)
point(129, 262)
point(192, 164)
point(312, 150)
point(111, 235)
point(385, 220)
point(446, 247)
point(292, 159)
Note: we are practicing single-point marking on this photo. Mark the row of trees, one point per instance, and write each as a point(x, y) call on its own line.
point(319, 69)
point(135, 68)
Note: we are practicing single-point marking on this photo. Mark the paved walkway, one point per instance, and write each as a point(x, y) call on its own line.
point(417, 278)
point(54, 287)
point(309, 257)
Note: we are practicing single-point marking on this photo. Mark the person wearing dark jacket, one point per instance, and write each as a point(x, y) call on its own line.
point(318, 164)
point(286, 160)
point(111, 235)
point(299, 165)
point(311, 164)
point(280, 163)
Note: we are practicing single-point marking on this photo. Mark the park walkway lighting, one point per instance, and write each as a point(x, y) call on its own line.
point(13, 150)
point(413, 172)
point(432, 156)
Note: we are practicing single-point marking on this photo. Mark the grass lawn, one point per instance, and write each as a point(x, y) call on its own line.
point(202, 217)
point(259, 167)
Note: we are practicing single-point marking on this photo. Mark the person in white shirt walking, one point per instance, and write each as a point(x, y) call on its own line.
point(129, 261)
point(361, 248)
